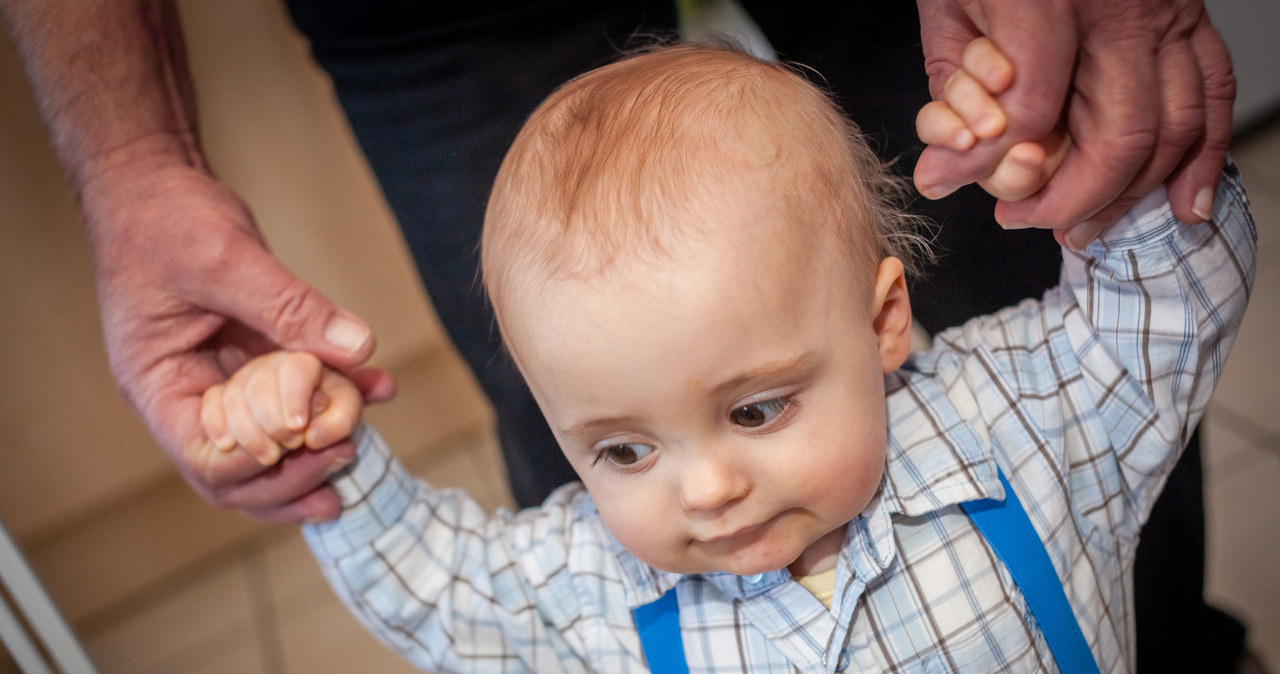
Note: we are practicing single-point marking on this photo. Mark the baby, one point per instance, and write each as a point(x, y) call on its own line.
point(696, 263)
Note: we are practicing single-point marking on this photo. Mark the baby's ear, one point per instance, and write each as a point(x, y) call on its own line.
point(891, 314)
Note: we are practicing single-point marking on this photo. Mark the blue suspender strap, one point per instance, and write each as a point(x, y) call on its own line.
point(659, 625)
point(1008, 530)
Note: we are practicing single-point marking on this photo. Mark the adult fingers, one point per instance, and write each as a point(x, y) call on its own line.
point(1113, 118)
point(1194, 183)
point(375, 384)
point(260, 292)
point(318, 505)
point(296, 475)
point(1191, 104)
point(1182, 124)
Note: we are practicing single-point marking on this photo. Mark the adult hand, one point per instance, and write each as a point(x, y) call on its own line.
point(187, 290)
point(1145, 88)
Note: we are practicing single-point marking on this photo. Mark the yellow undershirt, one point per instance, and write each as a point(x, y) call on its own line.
point(821, 585)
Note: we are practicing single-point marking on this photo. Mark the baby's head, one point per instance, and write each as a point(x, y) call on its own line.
point(692, 257)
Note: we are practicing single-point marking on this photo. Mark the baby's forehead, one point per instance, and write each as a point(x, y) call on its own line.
point(632, 161)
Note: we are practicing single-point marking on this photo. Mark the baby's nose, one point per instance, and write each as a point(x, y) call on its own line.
point(711, 483)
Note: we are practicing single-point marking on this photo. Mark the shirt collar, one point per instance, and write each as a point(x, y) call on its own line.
point(935, 455)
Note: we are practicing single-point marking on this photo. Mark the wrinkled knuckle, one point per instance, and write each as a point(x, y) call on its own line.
point(291, 309)
point(1183, 127)
point(1131, 146)
point(221, 253)
point(939, 71)
point(1221, 86)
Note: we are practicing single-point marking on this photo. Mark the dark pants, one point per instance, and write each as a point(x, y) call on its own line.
point(435, 94)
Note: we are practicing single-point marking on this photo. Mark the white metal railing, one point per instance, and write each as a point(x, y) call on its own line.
point(31, 627)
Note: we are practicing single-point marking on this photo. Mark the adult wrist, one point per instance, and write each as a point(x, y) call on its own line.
point(148, 153)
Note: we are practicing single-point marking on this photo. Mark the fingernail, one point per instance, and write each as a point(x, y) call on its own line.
point(269, 457)
point(1074, 239)
point(1203, 205)
point(936, 191)
point(346, 333)
point(224, 443)
point(964, 139)
point(293, 442)
point(297, 422)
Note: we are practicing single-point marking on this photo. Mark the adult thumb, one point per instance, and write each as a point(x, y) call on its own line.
point(265, 296)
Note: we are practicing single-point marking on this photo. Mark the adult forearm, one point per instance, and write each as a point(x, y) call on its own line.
point(111, 80)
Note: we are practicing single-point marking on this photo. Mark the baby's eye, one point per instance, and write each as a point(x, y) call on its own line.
point(624, 454)
point(755, 415)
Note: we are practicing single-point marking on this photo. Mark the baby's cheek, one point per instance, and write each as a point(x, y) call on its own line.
point(642, 529)
point(851, 475)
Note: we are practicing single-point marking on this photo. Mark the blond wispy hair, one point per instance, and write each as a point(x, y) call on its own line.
point(607, 169)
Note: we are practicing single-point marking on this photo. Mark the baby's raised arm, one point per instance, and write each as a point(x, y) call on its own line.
point(279, 402)
point(969, 111)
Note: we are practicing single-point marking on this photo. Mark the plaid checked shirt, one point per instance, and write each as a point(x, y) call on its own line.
point(1083, 398)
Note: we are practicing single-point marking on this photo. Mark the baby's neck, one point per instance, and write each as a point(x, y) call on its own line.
point(821, 556)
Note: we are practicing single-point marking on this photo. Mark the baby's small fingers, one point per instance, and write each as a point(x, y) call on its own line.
point(976, 107)
point(1020, 174)
point(246, 429)
point(938, 124)
point(986, 64)
point(263, 392)
point(299, 376)
point(342, 406)
point(214, 419)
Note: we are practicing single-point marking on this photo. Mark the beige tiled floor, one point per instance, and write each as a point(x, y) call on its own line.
point(263, 607)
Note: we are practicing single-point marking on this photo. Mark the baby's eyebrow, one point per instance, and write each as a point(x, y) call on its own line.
point(799, 365)
point(591, 426)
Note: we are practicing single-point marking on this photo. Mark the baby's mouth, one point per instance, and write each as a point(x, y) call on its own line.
point(737, 534)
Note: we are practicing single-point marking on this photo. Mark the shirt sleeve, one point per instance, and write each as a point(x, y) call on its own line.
point(435, 577)
point(1107, 375)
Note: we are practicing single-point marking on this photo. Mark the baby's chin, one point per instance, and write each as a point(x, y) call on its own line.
point(755, 565)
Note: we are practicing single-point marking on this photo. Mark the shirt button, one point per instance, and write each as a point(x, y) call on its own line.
point(756, 579)
point(843, 663)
